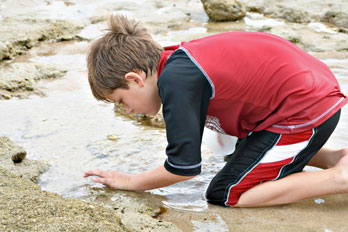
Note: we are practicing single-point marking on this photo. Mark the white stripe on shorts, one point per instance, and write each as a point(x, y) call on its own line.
point(282, 152)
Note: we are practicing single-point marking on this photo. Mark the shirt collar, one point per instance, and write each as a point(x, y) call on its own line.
point(164, 57)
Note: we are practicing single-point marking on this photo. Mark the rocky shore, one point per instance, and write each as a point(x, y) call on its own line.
point(20, 79)
point(319, 27)
point(13, 159)
point(25, 207)
point(18, 36)
point(334, 12)
point(21, 34)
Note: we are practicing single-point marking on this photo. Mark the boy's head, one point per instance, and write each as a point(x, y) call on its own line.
point(126, 47)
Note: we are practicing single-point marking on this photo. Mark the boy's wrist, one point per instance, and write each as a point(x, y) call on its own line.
point(131, 182)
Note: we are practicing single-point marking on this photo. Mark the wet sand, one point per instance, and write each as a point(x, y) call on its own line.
point(330, 213)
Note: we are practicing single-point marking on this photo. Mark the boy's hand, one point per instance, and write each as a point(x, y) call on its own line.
point(112, 179)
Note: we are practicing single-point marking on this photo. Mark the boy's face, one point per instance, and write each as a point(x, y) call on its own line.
point(141, 96)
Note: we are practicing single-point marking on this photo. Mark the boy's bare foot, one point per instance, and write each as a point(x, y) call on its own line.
point(341, 169)
point(337, 155)
point(327, 158)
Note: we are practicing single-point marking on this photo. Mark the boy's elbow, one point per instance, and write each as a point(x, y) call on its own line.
point(191, 177)
point(177, 177)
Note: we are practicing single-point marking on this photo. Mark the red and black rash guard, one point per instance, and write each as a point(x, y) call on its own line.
point(185, 95)
point(255, 81)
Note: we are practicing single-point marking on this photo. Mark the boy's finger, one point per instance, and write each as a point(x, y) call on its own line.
point(101, 180)
point(87, 173)
point(97, 172)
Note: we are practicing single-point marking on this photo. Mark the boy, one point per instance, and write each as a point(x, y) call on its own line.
point(282, 104)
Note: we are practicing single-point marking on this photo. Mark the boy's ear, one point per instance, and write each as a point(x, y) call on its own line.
point(135, 77)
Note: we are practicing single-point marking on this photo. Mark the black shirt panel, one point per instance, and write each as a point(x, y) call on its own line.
point(185, 94)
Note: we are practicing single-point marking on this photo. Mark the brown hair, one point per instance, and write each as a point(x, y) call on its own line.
point(125, 47)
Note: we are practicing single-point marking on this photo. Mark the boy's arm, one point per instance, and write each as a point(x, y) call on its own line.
point(155, 178)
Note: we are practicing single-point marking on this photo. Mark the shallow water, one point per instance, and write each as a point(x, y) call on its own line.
point(70, 130)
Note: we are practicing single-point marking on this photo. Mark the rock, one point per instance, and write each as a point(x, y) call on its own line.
point(22, 77)
point(224, 10)
point(18, 35)
point(112, 137)
point(134, 213)
point(5, 96)
point(309, 38)
point(339, 19)
point(140, 222)
point(25, 207)
point(293, 15)
point(19, 156)
point(299, 11)
point(12, 157)
point(156, 213)
point(9, 149)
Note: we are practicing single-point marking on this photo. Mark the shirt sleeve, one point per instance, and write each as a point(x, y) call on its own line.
point(185, 95)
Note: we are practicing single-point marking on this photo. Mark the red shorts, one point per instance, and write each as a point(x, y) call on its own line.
point(265, 156)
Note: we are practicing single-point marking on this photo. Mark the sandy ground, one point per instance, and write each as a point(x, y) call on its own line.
point(329, 213)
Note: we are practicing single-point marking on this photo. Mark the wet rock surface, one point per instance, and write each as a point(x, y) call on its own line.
point(224, 10)
point(20, 35)
point(135, 214)
point(311, 37)
point(25, 207)
point(13, 158)
point(299, 11)
point(21, 79)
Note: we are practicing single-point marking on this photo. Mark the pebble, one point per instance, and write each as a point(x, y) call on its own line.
point(112, 137)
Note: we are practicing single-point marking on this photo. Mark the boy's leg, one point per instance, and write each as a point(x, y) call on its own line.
point(266, 156)
point(298, 186)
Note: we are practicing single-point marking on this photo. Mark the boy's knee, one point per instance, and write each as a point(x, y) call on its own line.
point(222, 193)
point(215, 195)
